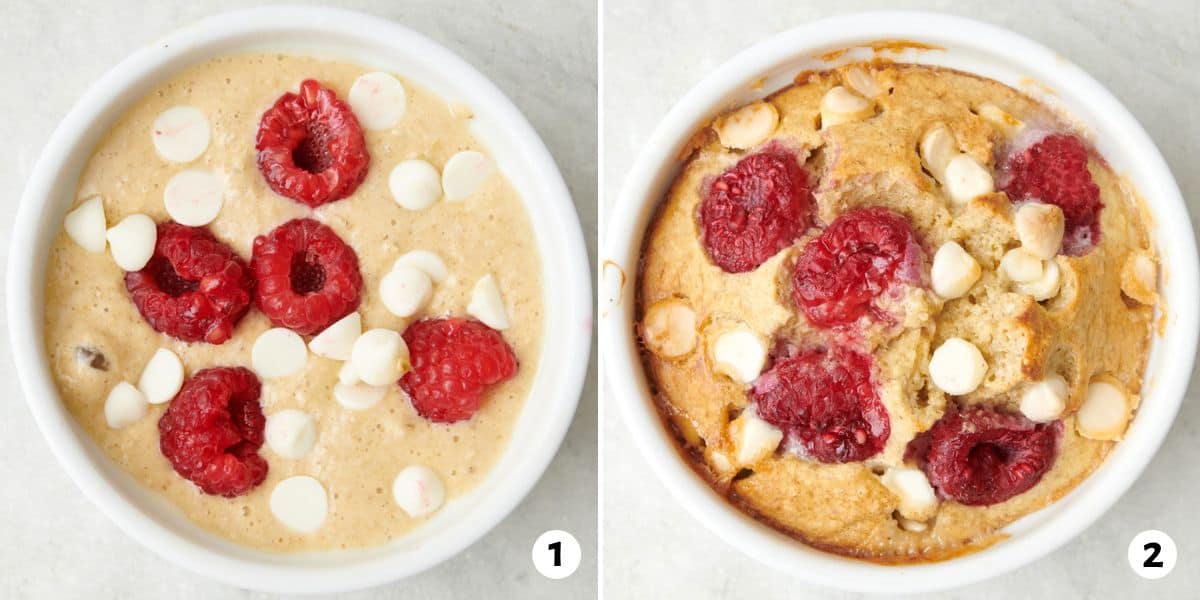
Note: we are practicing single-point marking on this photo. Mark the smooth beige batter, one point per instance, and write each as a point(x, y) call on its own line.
point(1089, 329)
point(357, 454)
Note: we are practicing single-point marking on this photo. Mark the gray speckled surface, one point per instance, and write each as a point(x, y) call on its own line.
point(53, 542)
point(1145, 51)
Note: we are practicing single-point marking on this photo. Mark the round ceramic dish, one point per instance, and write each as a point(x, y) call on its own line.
point(519, 153)
point(975, 48)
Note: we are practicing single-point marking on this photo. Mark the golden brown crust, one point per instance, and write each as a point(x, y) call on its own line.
point(1087, 330)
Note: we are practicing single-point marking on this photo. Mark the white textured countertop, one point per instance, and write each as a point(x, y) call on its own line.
point(1145, 51)
point(53, 542)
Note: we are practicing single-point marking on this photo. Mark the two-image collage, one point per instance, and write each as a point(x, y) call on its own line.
point(606, 299)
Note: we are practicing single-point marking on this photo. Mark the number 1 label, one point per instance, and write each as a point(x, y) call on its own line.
point(556, 554)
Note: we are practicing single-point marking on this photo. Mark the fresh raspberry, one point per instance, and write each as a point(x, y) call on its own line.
point(307, 276)
point(1054, 171)
point(755, 209)
point(310, 146)
point(979, 456)
point(864, 253)
point(825, 402)
point(194, 288)
point(213, 429)
point(453, 361)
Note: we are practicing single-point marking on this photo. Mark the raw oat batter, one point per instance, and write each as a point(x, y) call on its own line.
point(358, 453)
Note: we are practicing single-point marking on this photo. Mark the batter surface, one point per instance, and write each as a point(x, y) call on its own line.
point(357, 453)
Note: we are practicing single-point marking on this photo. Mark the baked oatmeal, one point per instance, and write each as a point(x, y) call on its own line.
point(892, 308)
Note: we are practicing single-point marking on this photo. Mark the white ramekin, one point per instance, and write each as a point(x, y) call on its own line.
point(969, 46)
point(522, 157)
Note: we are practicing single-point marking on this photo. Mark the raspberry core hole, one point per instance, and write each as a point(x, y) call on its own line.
point(168, 280)
point(312, 153)
point(987, 456)
point(307, 274)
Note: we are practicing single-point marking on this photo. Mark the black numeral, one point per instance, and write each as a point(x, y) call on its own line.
point(557, 548)
point(1151, 561)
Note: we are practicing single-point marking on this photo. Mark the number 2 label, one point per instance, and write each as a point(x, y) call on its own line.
point(1152, 554)
point(1151, 561)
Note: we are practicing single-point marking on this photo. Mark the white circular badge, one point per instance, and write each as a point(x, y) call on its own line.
point(1152, 554)
point(556, 554)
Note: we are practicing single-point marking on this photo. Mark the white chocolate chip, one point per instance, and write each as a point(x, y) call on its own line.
point(405, 290)
point(740, 354)
point(753, 437)
point(346, 374)
point(862, 82)
point(669, 328)
point(954, 271)
point(337, 340)
point(464, 173)
point(124, 406)
point(1021, 266)
point(380, 357)
point(487, 304)
point(840, 105)
point(957, 367)
point(418, 491)
point(719, 461)
point(1104, 413)
point(937, 148)
point(193, 197)
point(966, 179)
point(415, 184)
point(131, 241)
point(358, 396)
point(161, 377)
point(180, 134)
point(300, 503)
point(747, 126)
point(962, 177)
point(291, 433)
point(86, 225)
point(912, 525)
point(995, 115)
point(1139, 277)
point(1040, 228)
point(1044, 401)
point(378, 100)
point(917, 500)
point(426, 261)
point(1044, 287)
point(278, 352)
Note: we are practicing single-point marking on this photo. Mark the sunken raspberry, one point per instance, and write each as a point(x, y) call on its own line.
point(194, 288)
point(453, 361)
point(1054, 171)
point(979, 456)
point(307, 276)
point(754, 210)
point(825, 402)
point(212, 430)
point(310, 146)
point(864, 253)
